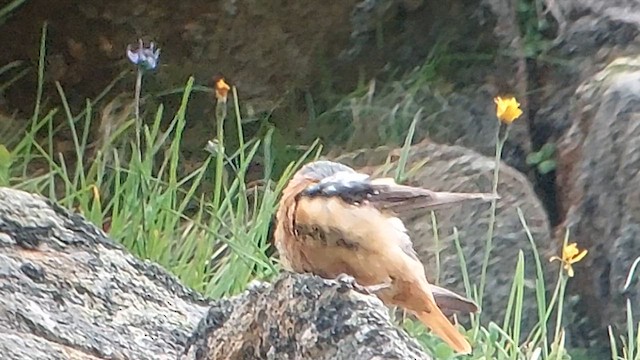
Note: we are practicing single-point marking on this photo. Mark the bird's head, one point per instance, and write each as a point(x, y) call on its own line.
point(316, 171)
point(331, 179)
point(324, 178)
point(309, 175)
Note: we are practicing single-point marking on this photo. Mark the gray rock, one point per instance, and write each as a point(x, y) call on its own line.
point(585, 97)
point(591, 34)
point(69, 292)
point(598, 185)
point(300, 317)
point(204, 39)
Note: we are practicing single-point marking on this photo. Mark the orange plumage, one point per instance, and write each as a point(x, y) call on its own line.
point(333, 221)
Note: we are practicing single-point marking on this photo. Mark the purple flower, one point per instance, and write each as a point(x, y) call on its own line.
point(146, 58)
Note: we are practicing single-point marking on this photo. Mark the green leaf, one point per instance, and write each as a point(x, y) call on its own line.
point(494, 332)
point(523, 7)
point(530, 50)
point(5, 165)
point(5, 157)
point(534, 158)
point(8, 9)
point(543, 24)
point(546, 166)
point(547, 150)
point(442, 351)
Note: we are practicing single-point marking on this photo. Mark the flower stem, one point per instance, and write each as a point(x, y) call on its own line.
point(141, 245)
point(563, 286)
point(492, 219)
point(220, 114)
point(138, 91)
point(541, 334)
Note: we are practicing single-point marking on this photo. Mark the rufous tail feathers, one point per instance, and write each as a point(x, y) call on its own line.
point(441, 326)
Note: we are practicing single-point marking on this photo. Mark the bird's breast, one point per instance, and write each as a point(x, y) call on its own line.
point(329, 253)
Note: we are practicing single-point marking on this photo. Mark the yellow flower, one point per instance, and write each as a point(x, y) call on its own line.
point(507, 109)
point(570, 256)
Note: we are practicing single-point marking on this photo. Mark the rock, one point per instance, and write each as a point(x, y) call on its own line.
point(590, 35)
point(462, 116)
point(454, 168)
point(589, 24)
point(452, 101)
point(305, 56)
point(585, 107)
point(69, 292)
point(599, 194)
point(300, 317)
point(277, 56)
point(201, 39)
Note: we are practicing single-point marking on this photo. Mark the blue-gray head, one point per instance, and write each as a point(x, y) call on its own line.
point(321, 169)
point(334, 179)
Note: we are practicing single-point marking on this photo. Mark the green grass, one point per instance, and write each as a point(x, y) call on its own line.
point(216, 241)
point(153, 209)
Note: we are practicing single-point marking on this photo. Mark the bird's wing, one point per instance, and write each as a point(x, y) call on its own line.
point(339, 206)
point(358, 226)
point(385, 194)
point(351, 205)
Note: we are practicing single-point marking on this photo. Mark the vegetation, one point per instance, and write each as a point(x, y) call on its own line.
point(135, 188)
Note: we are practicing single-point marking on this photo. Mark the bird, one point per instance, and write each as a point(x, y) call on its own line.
point(337, 223)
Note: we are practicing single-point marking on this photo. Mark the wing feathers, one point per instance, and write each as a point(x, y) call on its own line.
point(401, 199)
point(385, 194)
point(339, 220)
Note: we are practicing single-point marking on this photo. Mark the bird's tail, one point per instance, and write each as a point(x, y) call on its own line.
point(450, 302)
point(441, 326)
